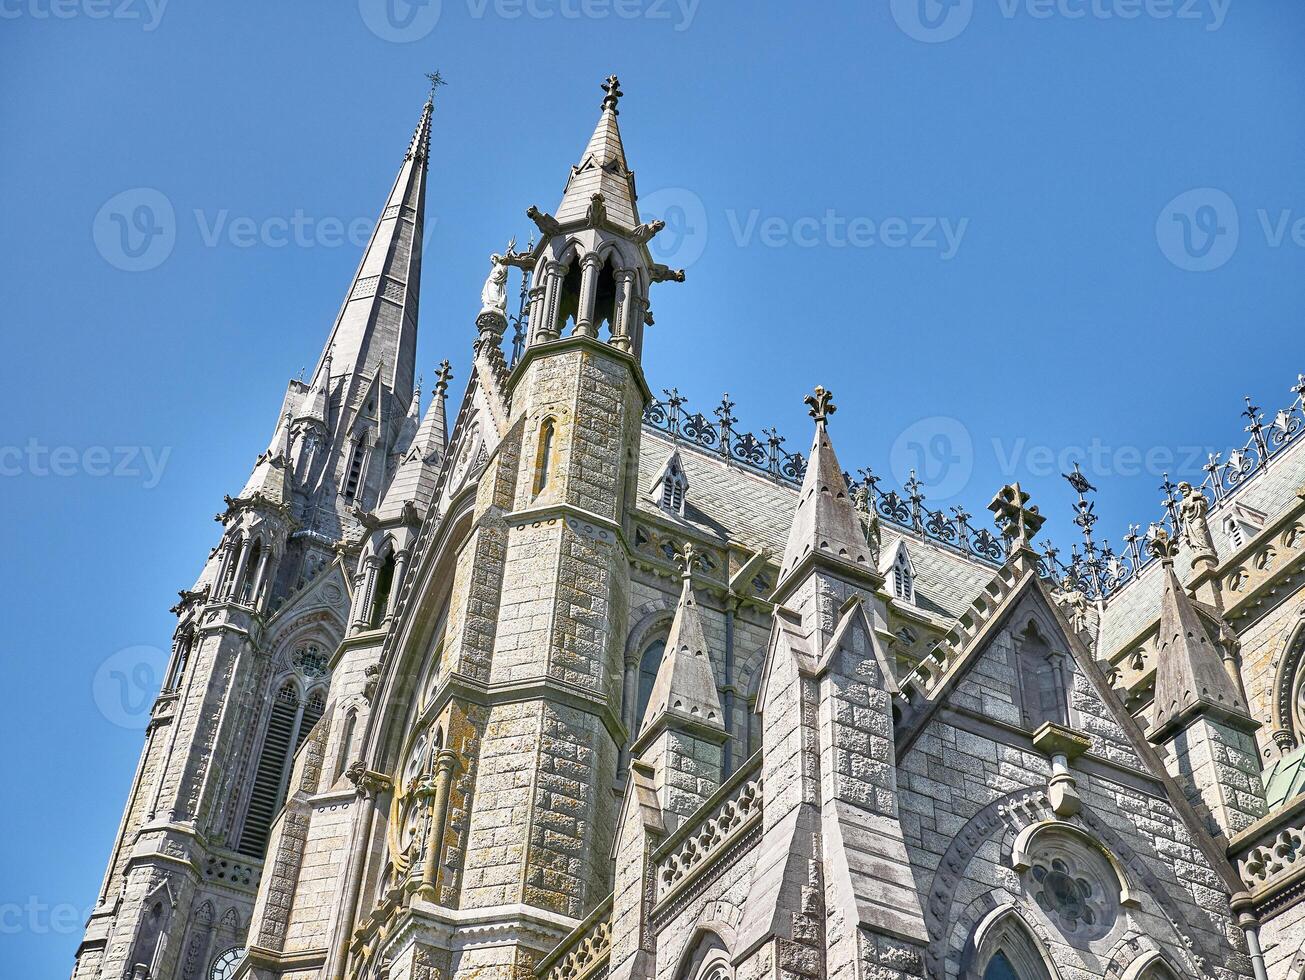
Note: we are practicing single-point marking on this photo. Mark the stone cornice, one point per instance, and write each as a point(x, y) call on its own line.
point(574, 342)
point(456, 685)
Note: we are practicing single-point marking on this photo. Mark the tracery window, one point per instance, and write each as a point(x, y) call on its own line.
point(1075, 886)
point(1006, 949)
point(381, 592)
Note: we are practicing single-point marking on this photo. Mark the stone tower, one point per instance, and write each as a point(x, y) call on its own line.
point(252, 649)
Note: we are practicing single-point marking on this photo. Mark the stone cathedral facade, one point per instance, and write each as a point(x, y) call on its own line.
point(568, 681)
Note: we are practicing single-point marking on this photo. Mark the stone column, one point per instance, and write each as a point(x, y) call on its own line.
point(396, 583)
point(370, 786)
point(260, 578)
point(549, 328)
point(584, 320)
point(445, 765)
point(240, 570)
point(362, 614)
point(623, 329)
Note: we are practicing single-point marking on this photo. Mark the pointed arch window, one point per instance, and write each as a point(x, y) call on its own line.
point(185, 646)
point(346, 741)
point(1000, 968)
point(245, 590)
point(381, 594)
point(903, 577)
point(353, 478)
point(289, 721)
point(544, 455)
point(605, 294)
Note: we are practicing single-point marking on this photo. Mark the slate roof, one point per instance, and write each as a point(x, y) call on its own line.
point(756, 511)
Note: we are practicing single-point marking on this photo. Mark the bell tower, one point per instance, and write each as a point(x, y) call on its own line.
point(543, 812)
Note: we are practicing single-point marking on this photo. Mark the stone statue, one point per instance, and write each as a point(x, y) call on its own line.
point(493, 295)
point(1075, 602)
point(1196, 528)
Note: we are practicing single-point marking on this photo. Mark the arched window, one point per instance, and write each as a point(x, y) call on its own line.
point(245, 590)
point(354, 477)
point(288, 723)
point(649, 663)
point(754, 712)
point(381, 592)
point(1007, 950)
point(185, 645)
point(605, 298)
point(346, 740)
point(1000, 968)
point(903, 578)
point(568, 307)
point(544, 455)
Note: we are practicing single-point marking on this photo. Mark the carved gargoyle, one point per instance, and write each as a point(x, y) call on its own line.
point(597, 212)
point(545, 222)
point(664, 273)
point(645, 232)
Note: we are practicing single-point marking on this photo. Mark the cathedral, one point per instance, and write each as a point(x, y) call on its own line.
point(565, 680)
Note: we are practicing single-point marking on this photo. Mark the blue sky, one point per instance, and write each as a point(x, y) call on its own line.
point(1016, 226)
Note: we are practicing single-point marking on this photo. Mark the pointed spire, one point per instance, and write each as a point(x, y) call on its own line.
point(414, 480)
point(316, 404)
point(826, 524)
point(602, 170)
point(377, 323)
point(272, 476)
point(685, 688)
point(1191, 678)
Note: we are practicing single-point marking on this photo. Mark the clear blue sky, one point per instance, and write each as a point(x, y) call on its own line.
point(811, 158)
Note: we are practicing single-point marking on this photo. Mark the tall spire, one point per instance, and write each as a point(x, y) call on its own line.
point(602, 170)
point(377, 323)
point(1191, 677)
point(826, 523)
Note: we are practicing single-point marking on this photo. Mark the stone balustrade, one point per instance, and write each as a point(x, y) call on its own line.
point(711, 837)
point(584, 952)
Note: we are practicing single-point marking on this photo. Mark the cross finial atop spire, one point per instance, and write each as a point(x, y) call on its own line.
point(821, 403)
point(612, 86)
point(442, 378)
point(436, 80)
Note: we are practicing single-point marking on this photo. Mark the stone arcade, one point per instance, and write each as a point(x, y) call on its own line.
point(586, 684)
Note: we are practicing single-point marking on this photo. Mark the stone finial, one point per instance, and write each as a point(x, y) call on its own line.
point(612, 89)
point(686, 558)
point(1161, 545)
point(442, 378)
point(1018, 521)
point(821, 404)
